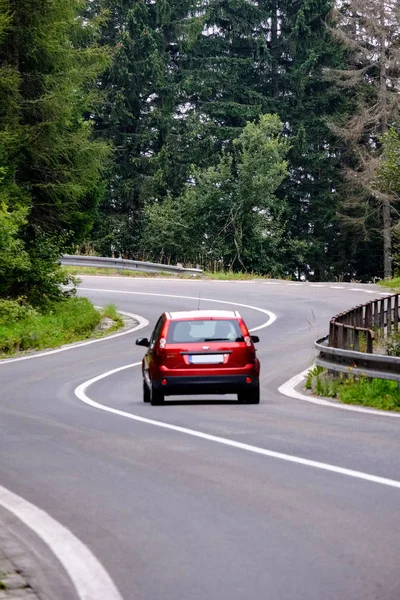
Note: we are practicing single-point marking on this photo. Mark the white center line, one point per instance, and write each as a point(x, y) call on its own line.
point(271, 316)
point(80, 392)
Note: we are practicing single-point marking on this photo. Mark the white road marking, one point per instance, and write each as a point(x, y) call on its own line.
point(88, 576)
point(288, 389)
point(271, 282)
point(356, 290)
point(337, 287)
point(80, 392)
point(317, 285)
point(272, 316)
point(142, 322)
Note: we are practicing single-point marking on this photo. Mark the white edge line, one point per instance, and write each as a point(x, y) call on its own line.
point(88, 576)
point(288, 389)
point(80, 392)
point(142, 322)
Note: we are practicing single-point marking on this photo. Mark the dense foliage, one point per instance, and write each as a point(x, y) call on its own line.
point(253, 136)
point(50, 169)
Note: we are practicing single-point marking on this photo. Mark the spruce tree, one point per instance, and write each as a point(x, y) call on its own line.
point(137, 116)
point(51, 170)
point(370, 33)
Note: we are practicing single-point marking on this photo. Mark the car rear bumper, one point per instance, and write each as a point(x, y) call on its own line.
point(220, 384)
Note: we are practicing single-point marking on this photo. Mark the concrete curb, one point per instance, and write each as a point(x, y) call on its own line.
point(289, 389)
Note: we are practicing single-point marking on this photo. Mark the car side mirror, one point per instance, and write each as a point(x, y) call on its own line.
point(142, 342)
point(255, 339)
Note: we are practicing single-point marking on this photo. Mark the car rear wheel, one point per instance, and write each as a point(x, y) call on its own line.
point(251, 396)
point(146, 392)
point(157, 397)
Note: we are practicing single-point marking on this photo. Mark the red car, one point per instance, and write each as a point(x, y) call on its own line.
point(200, 352)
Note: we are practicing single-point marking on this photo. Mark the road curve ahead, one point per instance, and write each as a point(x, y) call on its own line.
point(221, 513)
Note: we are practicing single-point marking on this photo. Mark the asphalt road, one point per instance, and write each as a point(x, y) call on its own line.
point(173, 516)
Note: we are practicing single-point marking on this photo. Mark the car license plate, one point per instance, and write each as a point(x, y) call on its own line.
point(206, 359)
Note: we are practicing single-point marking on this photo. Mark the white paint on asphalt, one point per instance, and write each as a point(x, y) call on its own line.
point(88, 576)
point(142, 322)
point(80, 392)
point(271, 316)
point(288, 389)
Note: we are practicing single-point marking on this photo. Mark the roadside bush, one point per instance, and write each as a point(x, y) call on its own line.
point(376, 393)
point(393, 345)
point(67, 321)
point(15, 310)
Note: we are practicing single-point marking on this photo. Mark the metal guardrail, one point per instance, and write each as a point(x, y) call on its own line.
point(353, 336)
point(363, 324)
point(378, 366)
point(124, 264)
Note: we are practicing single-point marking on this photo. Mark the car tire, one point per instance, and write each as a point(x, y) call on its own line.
point(146, 392)
point(157, 397)
point(251, 396)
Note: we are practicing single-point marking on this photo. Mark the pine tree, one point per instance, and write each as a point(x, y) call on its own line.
point(224, 55)
point(50, 168)
point(370, 33)
point(302, 49)
point(137, 116)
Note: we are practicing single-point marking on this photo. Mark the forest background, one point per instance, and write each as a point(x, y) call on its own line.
point(254, 136)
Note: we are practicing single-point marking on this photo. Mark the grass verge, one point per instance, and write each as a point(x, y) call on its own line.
point(220, 275)
point(373, 393)
point(71, 320)
point(392, 284)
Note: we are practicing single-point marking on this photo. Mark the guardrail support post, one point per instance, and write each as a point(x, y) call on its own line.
point(396, 313)
point(356, 340)
point(370, 342)
point(389, 316)
point(368, 315)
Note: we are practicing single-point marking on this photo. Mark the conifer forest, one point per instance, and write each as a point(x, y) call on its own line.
point(258, 136)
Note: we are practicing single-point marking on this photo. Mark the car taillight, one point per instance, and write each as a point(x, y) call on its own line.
point(163, 335)
point(245, 333)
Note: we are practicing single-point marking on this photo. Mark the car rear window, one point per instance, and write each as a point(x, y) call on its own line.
point(207, 330)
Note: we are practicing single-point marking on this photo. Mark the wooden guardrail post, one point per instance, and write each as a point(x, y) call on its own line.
point(396, 313)
point(389, 316)
point(368, 316)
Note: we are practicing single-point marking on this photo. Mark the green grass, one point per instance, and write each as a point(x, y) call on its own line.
point(220, 275)
point(393, 284)
point(232, 275)
point(68, 321)
point(104, 271)
point(376, 393)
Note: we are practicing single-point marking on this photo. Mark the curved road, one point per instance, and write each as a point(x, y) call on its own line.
point(170, 515)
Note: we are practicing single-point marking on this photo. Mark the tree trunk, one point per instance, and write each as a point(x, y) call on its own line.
point(274, 49)
point(387, 240)
point(386, 216)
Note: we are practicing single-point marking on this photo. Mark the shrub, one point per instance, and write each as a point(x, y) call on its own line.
point(15, 310)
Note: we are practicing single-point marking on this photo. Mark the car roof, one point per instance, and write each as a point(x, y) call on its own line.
point(203, 314)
